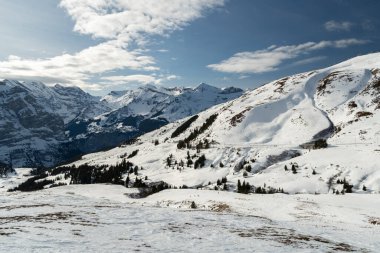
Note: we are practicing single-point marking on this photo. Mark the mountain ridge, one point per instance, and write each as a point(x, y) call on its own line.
point(45, 125)
point(262, 137)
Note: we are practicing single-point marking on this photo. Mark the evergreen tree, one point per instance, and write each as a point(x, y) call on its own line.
point(294, 170)
point(127, 181)
point(135, 170)
point(239, 186)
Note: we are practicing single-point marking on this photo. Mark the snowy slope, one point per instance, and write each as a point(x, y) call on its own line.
point(257, 134)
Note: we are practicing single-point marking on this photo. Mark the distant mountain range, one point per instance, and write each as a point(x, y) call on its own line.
point(44, 126)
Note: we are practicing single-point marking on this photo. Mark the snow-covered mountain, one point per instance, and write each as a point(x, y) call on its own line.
point(170, 103)
point(42, 125)
point(34, 118)
point(257, 138)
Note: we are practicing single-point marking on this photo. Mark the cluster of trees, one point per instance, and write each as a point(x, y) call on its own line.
point(196, 132)
point(270, 190)
point(244, 164)
point(5, 169)
point(129, 142)
point(203, 145)
point(134, 153)
point(182, 128)
point(34, 183)
point(246, 188)
point(87, 174)
point(198, 163)
point(149, 189)
point(92, 174)
point(321, 143)
point(221, 182)
point(294, 168)
point(243, 187)
point(347, 188)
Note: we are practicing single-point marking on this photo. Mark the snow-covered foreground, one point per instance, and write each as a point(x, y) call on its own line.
point(102, 218)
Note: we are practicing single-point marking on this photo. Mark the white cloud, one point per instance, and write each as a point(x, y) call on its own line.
point(120, 23)
point(269, 59)
point(172, 77)
point(333, 26)
point(141, 79)
point(137, 79)
point(78, 68)
point(130, 19)
point(243, 77)
point(309, 60)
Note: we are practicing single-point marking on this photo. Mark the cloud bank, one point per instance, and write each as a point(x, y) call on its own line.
point(271, 58)
point(121, 25)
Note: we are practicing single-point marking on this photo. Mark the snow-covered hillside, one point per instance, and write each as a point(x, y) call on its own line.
point(256, 138)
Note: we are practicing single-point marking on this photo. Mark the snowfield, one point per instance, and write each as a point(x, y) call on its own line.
point(314, 136)
point(102, 218)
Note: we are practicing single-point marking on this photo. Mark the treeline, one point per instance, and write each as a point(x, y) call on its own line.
point(246, 188)
point(34, 183)
point(182, 128)
point(196, 132)
point(94, 174)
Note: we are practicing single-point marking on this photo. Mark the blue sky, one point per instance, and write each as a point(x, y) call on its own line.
point(113, 45)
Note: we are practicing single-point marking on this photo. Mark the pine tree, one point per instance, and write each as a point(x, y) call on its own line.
point(135, 170)
point(238, 186)
point(127, 181)
point(168, 161)
point(189, 162)
point(294, 170)
point(247, 188)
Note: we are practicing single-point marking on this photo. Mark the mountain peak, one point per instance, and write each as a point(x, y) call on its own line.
point(206, 87)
